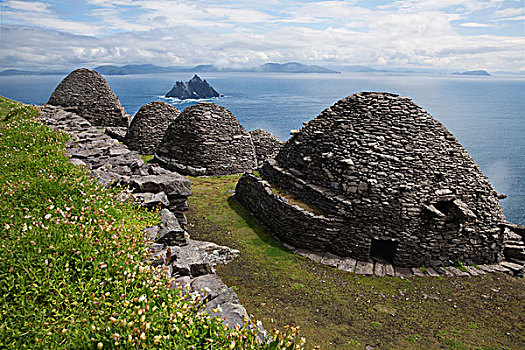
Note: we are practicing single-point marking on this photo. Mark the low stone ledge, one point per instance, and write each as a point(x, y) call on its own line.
point(317, 232)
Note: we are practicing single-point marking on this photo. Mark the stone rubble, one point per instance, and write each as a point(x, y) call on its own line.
point(87, 93)
point(190, 263)
point(149, 125)
point(206, 139)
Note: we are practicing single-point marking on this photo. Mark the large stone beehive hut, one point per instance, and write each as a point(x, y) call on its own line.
point(389, 182)
point(148, 126)
point(207, 139)
point(266, 144)
point(87, 93)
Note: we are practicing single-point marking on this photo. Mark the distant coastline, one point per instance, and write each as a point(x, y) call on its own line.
point(474, 72)
point(287, 68)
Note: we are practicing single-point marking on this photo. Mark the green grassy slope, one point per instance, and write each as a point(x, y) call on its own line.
point(71, 271)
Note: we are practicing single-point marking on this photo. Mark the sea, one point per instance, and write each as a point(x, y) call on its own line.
point(486, 114)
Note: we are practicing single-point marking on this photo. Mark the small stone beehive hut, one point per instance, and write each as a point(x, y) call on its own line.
point(88, 94)
point(207, 139)
point(389, 182)
point(149, 125)
point(266, 144)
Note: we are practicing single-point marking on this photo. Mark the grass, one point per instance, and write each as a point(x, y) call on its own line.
point(147, 158)
point(71, 267)
point(339, 310)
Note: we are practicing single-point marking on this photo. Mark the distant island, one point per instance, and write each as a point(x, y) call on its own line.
point(9, 72)
point(290, 67)
point(473, 72)
point(293, 67)
point(196, 88)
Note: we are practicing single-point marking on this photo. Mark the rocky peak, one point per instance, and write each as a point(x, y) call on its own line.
point(195, 88)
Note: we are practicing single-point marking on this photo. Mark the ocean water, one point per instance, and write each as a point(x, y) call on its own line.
point(486, 114)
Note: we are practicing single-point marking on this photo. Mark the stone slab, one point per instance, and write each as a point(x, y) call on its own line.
point(364, 268)
point(389, 270)
point(432, 272)
point(479, 271)
point(403, 272)
point(417, 272)
point(457, 272)
point(302, 252)
point(347, 264)
point(487, 268)
point(331, 259)
point(379, 269)
point(317, 257)
point(472, 270)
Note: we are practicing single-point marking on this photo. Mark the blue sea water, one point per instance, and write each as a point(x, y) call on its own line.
point(486, 114)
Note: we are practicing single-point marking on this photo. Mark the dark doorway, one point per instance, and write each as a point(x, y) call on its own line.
point(383, 249)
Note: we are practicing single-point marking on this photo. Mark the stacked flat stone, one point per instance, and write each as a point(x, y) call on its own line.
point(206, 139)
point(190, 263)
point(87, 93)
point(389, 180)
point(114, 164)
point(266, 144)
point(149, 125)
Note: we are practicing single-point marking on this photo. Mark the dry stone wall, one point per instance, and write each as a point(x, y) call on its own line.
point(87, 93)
point(149, 125)
point(399, 183)
point(266, 144)
point(206, 139)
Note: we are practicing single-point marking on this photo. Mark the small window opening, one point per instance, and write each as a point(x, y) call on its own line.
point(383, 250)
point(444, 206)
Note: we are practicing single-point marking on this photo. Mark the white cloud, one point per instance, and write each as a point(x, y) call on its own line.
point(237, 33)
point(43, 15)
point(509, 12)
point(435, 5)
point(476, 25)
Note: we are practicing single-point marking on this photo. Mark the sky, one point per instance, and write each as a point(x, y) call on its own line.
point(445, 35)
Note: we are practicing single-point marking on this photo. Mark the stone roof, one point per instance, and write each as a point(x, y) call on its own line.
point(148, 126)
point(266, 144)
point(389, 171)
point(87, 93)
point(207, 139)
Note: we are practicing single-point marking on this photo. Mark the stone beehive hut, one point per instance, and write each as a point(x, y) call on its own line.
point(148, 126)
point(266, 144)
point(87, 93)
point(389, 182)
point(207, 139)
